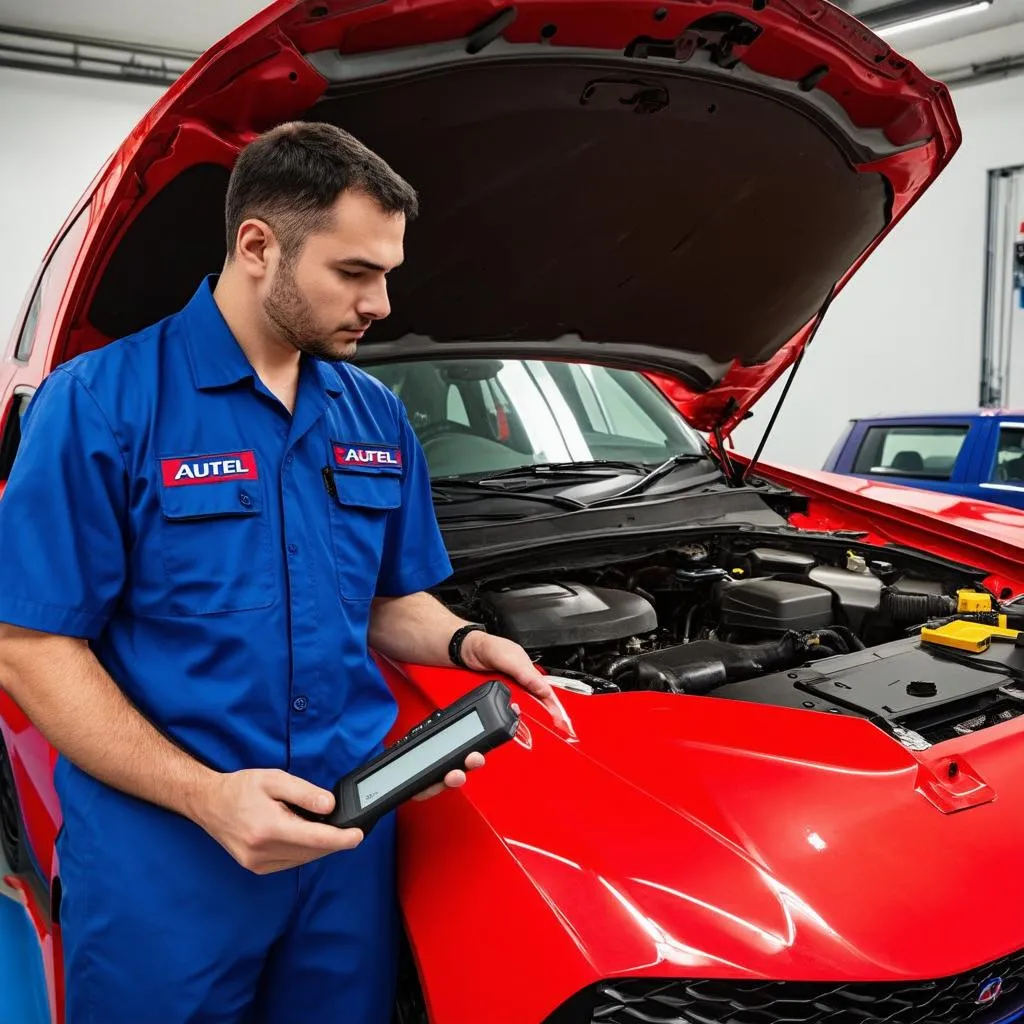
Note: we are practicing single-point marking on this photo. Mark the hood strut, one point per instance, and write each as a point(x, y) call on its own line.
point(819, 316)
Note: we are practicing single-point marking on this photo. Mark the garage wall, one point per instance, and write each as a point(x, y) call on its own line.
point(56, 132)
point(905, 335)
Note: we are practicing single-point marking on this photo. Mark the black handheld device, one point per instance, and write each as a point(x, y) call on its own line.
point(478, 721)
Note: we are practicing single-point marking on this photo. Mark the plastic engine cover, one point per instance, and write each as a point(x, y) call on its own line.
point(562, 614)
point(774, 606)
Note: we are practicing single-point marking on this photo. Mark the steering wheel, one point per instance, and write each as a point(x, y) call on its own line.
point(432, 430)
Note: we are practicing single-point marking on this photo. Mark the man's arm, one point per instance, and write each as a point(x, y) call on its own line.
point(406, 623)
point(70, 698)
point(417, 628)
point(66, 693)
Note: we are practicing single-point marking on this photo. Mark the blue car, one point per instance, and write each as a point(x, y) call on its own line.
point(977, 454)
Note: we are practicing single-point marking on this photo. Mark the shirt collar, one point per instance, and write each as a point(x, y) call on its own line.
point(216, 357)
point(328, 376)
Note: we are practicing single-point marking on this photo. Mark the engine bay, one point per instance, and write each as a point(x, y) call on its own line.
point(814, 626)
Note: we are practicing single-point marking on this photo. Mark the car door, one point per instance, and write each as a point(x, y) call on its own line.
point(1001, 467)
point(932, 452)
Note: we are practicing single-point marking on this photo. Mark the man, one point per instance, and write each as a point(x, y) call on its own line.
point(193, 571)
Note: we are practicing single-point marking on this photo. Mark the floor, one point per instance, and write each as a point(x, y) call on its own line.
point(22, 989)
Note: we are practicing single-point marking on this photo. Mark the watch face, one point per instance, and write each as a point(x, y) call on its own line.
point(418, 759)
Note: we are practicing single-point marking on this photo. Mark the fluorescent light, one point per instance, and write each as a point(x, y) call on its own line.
point(927, 20)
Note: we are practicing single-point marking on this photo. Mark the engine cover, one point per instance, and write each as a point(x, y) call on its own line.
point(566, 614)
point(773, 606)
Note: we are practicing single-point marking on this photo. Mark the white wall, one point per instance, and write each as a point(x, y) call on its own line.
point(55, 134)
point(905, 334)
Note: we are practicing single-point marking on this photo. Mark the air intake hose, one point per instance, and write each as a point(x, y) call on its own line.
point(903, 610)
point(703, 665)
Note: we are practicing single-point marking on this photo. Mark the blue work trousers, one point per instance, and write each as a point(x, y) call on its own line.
point(161, 925)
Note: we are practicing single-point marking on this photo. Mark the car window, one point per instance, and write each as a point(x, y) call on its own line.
point(512, 412)
point(1009, 461)
point(609, 407)
point(45, 301)
point(928, 452)
point(456, 411)
point(11, 439)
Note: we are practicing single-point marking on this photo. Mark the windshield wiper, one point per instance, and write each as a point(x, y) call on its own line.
point(653, 477)
point(443, 484)
point(562, 468)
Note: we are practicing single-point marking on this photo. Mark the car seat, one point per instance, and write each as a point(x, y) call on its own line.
point(1013, 471)
point(908, 462)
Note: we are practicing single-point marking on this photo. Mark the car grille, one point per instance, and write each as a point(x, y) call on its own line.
point(946, 1001)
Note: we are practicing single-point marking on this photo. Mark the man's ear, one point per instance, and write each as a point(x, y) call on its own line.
point(256, 247)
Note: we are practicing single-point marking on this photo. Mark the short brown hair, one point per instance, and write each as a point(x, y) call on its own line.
point(291, 176)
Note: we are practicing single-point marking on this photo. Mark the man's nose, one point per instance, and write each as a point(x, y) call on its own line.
point(374, 303)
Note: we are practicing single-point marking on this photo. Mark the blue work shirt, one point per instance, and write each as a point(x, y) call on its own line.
point(220, 554)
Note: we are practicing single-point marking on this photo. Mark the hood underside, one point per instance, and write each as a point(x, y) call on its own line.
point(682, 201)
point(705, 227)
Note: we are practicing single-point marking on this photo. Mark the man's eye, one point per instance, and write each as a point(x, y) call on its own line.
point(351, 275)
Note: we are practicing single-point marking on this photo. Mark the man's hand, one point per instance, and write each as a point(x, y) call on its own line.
point(453, 779)
point(247, 812)
point(484, 652)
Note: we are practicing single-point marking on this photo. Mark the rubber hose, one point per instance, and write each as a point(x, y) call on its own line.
point(617, 666)
point(904, 610)
point(596, 682)
point(838, 641)
point(656, 675)
point(820, 651)
point(703, 665)
point(853, 641)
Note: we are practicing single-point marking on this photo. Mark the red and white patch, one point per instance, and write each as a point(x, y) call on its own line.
point(367, 456)
point(209, 469)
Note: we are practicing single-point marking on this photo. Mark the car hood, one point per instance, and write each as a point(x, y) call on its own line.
point(677, 189)
point(675, 836)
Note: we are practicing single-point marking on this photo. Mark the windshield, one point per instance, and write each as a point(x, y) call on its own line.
point(479, 416)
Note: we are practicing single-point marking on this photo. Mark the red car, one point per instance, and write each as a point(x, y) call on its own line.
point(775, 799)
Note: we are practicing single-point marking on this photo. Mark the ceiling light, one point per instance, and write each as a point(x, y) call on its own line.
point(907, 23)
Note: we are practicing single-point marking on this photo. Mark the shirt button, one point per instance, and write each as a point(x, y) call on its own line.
point(300, 703)
point(293, 549)
point(290, 459)
point(245, 499)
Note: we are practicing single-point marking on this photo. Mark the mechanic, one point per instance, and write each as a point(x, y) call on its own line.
point(209, 526)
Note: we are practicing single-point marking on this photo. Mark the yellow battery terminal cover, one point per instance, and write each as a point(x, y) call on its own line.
point(972, 601)
point(973, 637)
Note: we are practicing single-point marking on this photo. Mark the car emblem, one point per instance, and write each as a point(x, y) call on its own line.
point(989, 991)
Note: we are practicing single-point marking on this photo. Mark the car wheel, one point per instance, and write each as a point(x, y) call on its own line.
point(11, 831)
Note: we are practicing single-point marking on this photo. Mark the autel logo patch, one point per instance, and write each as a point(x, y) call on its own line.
point(359, 455)
point(209, 469)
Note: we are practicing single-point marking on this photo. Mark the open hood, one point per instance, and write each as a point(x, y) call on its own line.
point(673, 188)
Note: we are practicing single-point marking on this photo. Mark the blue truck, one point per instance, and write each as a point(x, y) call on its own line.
point(978, 455)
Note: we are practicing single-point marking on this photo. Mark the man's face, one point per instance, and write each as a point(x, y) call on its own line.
point(323, 299)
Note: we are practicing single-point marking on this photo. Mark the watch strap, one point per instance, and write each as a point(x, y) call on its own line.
point(455, 644)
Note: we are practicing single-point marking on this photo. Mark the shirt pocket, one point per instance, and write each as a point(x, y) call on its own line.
point(216, 548)
point(361, 503)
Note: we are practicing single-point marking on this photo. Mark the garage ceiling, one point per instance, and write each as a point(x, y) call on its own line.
point(193, 25)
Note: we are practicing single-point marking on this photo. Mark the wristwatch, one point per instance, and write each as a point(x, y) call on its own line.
point(455, 644)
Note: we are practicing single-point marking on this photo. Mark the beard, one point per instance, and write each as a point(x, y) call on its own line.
point(295, 321)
